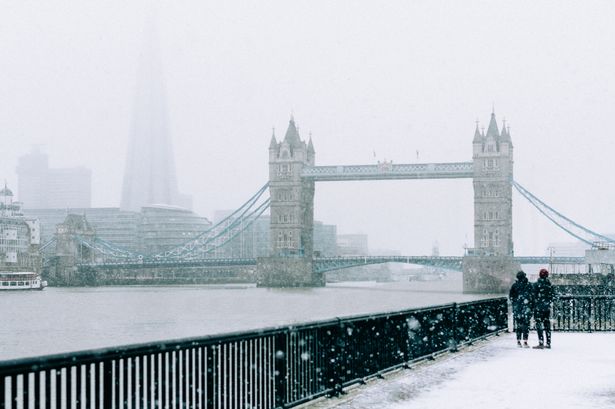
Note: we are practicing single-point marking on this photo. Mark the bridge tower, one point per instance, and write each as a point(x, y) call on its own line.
point(292, 214)
point(490, 266)
point(70, 252)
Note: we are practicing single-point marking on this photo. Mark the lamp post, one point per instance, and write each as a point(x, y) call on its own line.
point(551, 252)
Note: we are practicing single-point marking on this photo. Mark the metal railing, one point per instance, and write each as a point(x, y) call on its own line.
point(272, 368)
point(584, 313)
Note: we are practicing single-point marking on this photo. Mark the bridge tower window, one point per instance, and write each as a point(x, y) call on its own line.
point(491, 164)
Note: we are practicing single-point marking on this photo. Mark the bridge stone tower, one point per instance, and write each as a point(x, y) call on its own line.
point(490, 267)
point(292, 214)
point(69, 252)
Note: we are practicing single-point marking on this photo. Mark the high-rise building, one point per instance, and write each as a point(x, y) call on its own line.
point(352, 245)
point(42, 187)
point(325, 239)
point(149, 172)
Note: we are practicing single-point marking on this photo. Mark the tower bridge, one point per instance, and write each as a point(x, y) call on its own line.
point(292, 177)
point(291, 262)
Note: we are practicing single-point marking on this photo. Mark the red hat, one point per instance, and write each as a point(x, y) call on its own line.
point(543, 273)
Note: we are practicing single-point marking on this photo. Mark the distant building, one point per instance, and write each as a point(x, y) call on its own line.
point(42, 187)
point(19, 237)
point(253, 241)
point(352, 245)
point(162, 228)
point(149, 171)
point(110, 224)
point(325, 239)
point(154, 229)
point(567, 249)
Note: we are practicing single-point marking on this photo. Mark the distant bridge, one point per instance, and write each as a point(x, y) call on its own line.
point(325, 264)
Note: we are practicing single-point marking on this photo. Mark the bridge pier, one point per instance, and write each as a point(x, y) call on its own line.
point(280, 271)
point(489, 274)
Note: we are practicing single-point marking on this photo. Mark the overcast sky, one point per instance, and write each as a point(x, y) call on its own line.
point(387, 77)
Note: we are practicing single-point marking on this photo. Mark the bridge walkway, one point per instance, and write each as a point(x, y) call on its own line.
point(579, 372)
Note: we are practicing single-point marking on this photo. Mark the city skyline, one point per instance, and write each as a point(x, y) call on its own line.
point(367, 90)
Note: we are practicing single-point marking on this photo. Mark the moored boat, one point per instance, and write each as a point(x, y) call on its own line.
point(26, 280)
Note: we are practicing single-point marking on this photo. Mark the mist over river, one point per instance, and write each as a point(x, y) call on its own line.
point(69, 319)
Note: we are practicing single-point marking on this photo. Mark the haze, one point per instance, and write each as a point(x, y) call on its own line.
point(396, 80)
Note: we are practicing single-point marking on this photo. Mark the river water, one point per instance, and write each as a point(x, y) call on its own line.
point(69, 319)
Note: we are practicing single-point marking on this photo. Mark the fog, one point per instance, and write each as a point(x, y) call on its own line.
point(397, 80)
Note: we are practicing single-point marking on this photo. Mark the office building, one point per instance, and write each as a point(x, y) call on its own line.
point(42, 187)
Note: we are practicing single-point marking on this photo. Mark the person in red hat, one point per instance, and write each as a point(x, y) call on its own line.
point(543, 298)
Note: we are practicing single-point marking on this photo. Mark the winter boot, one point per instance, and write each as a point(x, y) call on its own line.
point(519, 343)
point(539, 346)
point(525, 345)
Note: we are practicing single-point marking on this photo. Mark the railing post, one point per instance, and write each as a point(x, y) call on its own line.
point(337, 352)
point(281, 367)
point(454, 340)
point(590, 317)
point(210, 374)
point(2, 391)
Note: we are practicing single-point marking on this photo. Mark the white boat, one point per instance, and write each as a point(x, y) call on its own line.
point(21, 281)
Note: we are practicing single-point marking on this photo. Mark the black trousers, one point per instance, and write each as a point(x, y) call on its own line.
point(543, 322)
point(522, 326)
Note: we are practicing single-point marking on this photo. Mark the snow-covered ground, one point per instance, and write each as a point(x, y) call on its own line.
point(579, 372)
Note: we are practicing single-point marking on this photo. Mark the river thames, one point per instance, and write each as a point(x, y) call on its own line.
point(69, 319)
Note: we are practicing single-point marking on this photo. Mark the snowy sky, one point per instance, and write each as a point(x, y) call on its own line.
point(392, 77)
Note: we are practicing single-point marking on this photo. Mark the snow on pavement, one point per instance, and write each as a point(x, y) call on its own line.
point(579, 372)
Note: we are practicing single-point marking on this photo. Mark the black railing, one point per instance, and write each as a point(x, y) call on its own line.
point(272, 368)
point(584, 313)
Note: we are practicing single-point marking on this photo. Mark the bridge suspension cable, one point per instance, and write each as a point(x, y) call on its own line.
point(211, 239)
point(215, 237)
point(569, 226)
point(221, 231)
point(47, 244)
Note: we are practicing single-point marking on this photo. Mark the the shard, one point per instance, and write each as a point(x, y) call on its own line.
point(149, 173)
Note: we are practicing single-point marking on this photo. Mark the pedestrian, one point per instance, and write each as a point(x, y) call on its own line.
point(521, 299)
point(543, 298)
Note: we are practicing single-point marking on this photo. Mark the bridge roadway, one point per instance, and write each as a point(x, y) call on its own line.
point(324, 264)
point(577, 373)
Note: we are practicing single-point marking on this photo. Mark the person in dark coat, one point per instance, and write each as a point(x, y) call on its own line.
point(521, 299)
point(543, 298)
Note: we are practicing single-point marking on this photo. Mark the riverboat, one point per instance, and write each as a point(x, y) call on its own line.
point(21, 281)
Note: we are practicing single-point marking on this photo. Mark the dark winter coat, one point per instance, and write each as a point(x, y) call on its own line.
point(521, 297)
point(543, 294)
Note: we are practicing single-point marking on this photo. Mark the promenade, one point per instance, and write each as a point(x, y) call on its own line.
point(579, 372)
